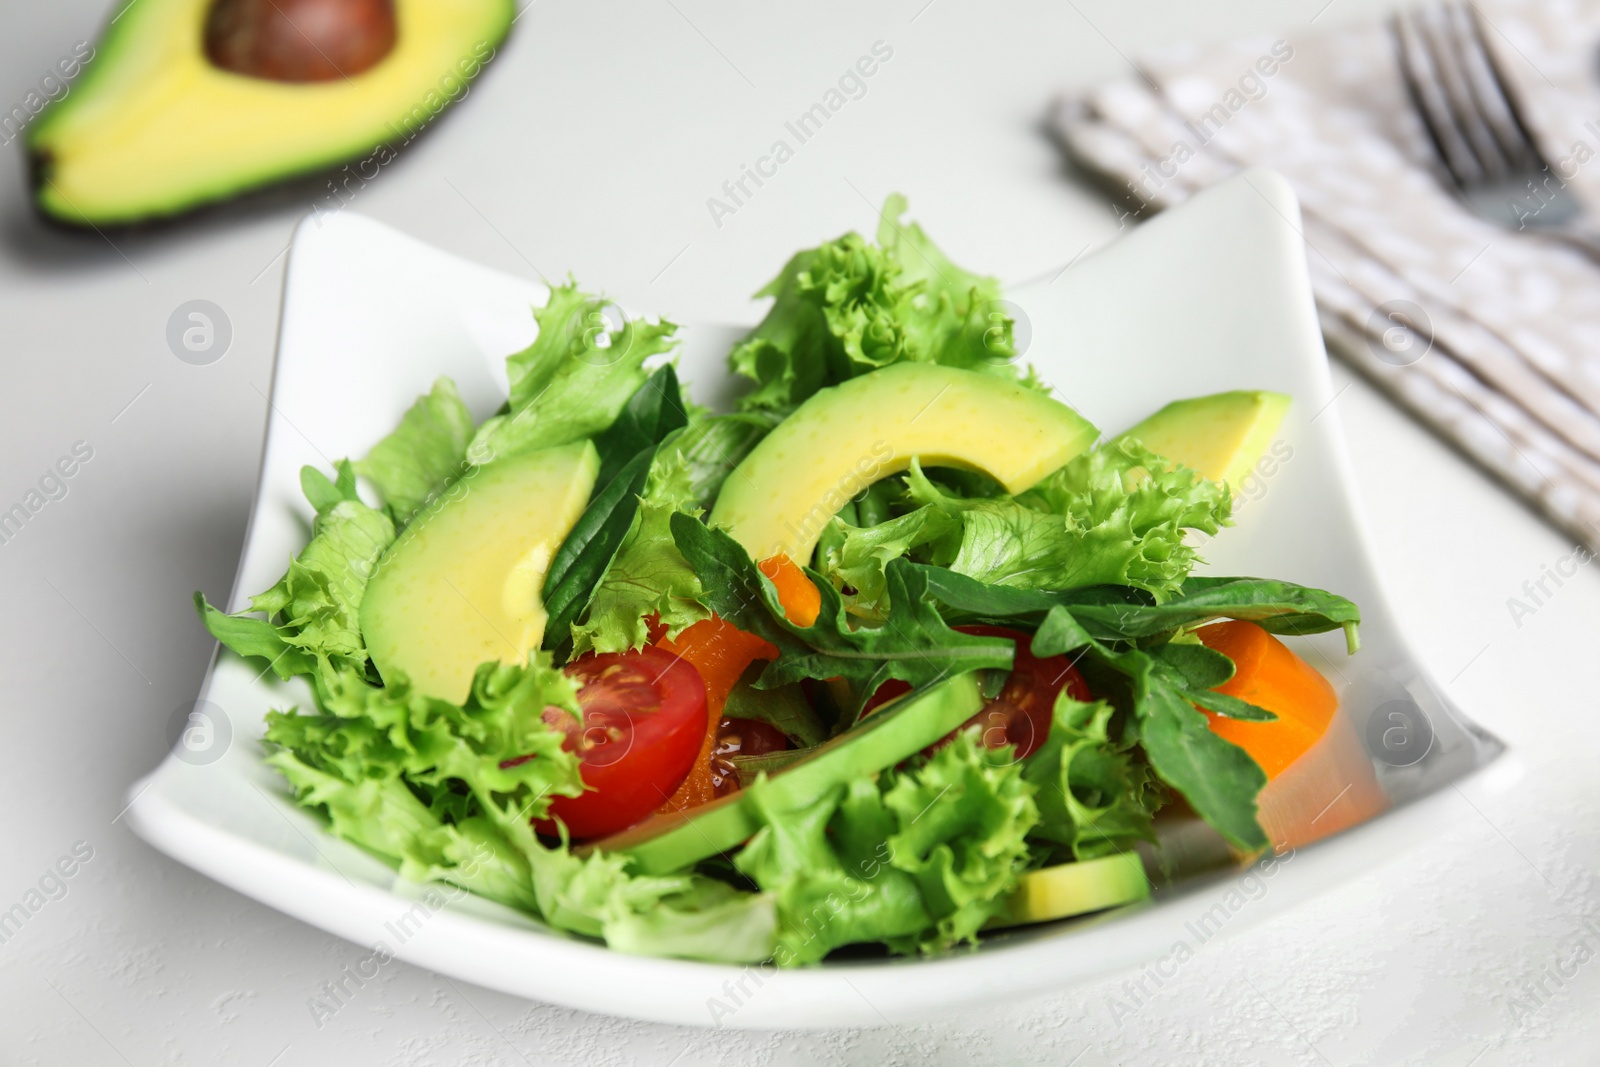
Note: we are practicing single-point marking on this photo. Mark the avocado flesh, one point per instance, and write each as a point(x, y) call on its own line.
point(1222, 435)
point(460, 586)
point(152, 128)
point(1075, 889)
point(846, 437)
point(672, 842)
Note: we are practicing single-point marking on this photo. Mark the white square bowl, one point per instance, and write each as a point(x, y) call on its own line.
point(1209, 296)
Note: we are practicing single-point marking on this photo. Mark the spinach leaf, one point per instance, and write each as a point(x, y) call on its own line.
point(655, 410)
point(589, 548)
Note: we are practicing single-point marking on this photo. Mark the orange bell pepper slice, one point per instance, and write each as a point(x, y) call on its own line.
point(1269, 675)
point(721, 652)
point(801, 599)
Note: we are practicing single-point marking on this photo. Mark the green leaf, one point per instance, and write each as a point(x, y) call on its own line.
point(654, 411)
point(1096, 794)
point(920, 858)
point(913, 644)
point(423, 455)
point(589, 548)
point(647, 576)
point(255, 638)
point(713, 446)
point(1229, 706)
point(315, 608)
point(1193, 666)
point(1279, 607)
point(576, 377)
point(785, 707)
point(848, 307)
point(442, 792)
point(1218, 779)
point(1058, 634)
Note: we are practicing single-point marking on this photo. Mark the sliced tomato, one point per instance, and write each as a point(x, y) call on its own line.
point(741, 737)
point(644, 717)
point(1022, 712)
point(1020, 715)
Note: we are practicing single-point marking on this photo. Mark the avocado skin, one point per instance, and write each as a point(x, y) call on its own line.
point(672, 842)
point(97, 162)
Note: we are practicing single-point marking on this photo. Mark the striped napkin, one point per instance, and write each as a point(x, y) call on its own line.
point(1490, 336)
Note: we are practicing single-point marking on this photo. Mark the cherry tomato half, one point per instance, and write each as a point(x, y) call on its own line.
point(741, 737)
point(644, 717)
point(1020, 715)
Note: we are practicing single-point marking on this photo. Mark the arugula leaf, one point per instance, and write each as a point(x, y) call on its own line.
point(1111, 613)
point(1219, 779)
point(913, 645)
point(313, 613)
point(848, 307)
point(920, 859)
point(422, 455)
point(1096, 794)
point(574, 379)
point(1278, 607)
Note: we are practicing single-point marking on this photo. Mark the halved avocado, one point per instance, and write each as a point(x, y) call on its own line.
point(847, 437)
point(460, 586)
point(155, 126)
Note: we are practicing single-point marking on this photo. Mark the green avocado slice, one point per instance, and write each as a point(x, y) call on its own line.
point(672, 842)
point(153, 127)
point(1222, 435)
point(846, 437)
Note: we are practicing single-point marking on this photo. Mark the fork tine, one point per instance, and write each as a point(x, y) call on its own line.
point(1422, 79)
point(1439, 32)
point(1489, 89)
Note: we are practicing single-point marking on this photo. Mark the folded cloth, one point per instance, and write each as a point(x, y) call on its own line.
point(1490, 335)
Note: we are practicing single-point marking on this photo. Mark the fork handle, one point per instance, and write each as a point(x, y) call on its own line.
point(1583, 236)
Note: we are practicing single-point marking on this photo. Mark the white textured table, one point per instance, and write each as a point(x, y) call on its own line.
point(592, 145)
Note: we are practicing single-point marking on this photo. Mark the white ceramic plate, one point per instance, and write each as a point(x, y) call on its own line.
point(1209, 296)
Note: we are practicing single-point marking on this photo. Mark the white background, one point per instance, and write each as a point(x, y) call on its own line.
point(591, 145)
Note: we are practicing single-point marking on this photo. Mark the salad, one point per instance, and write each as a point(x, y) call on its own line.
point(899, 651)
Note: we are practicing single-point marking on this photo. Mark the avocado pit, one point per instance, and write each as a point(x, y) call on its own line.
point(299, 40)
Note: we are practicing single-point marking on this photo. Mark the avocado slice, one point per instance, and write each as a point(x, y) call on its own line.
point(1075, 889)
point(674, 841)
point(155, 126)
point(460, 586)
point(844, 438)
point(1222, 435)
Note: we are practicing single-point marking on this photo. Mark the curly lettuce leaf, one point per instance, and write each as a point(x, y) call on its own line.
point(574, 379)
point(1096, 793)
point(920, 858)
point(1117, 515)
point(446, 793)
point(848, 307)
point(312, 615)
point(422, 455)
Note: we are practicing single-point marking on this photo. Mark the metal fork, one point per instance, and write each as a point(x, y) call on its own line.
point(1482, 141)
